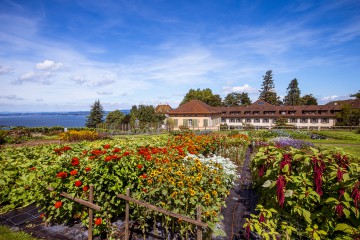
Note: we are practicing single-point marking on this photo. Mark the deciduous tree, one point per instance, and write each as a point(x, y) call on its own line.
point(205, 95)
point(236, 99)
point(114, 118)
point(267, 91)
point(96, 115)
point(356, 95)
point(309, 99)
point(293, 94)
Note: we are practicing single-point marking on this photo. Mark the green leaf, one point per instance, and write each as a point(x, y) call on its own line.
point(344, 228)
point(306, 214)
point(331, 199)
point(267, 183)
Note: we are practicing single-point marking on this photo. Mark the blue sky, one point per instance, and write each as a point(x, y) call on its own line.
point(62, 55)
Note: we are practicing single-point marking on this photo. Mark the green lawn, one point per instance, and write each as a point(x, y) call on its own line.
point(7, 234)
point(348, 141)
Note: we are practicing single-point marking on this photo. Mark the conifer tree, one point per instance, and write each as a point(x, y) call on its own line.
point(293, 94)
point(236, 99)
point(96, 115)
point(267, 91)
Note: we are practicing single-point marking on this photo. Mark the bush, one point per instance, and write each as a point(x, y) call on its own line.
point(3, 134)
point(74, 135)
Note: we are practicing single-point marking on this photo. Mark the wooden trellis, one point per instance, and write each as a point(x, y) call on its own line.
point(89, 204)
point(128, 199)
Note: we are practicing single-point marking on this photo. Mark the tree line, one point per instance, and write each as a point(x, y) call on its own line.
point(267, 93)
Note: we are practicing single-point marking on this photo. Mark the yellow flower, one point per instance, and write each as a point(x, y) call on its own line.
point(207, 196)
point(162, 203)
point(214, 213)
point(192, 192)
point(180, 184)
point(214, 193)
point(198, 179)
point(174, 194)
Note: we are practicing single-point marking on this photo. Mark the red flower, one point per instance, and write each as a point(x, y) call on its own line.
point(98, 221)
point(61, 175)
point(32, 168)
point(78, 183)
point(42, 215)
point(116, 150)
point(247, 231)
point(280, 192)
point(87, 169)
point(261, 170)
point(144, 176)
point(73, 172)
point(139, 166)
point(66, 148)
point(58, 204)
point(262, 218)
point(339, 175)
point(85, 188)
point(144, 190)
point(107, 146)
point(339, 209)
point(85, 152)
point(356, 195)
point(107, 158)
point(75, 161)
point(126, 153)
point(319, 167)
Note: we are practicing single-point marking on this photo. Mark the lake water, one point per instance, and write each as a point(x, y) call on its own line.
point(46, 119)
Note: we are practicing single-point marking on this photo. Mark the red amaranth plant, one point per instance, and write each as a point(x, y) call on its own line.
point(339, 209)
point(261, 170)
point(356, 195)
point(339, 175)
point(261, 218)
point(286, 161)
point(319, 167)
point(280, 191)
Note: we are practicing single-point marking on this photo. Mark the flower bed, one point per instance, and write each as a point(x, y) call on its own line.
point(305, 193)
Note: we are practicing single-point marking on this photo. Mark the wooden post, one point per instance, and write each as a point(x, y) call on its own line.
point(127, 215)
point(91, 199)
point(199, 229)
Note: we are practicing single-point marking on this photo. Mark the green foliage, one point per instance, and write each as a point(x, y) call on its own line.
point(293, 94)
point(3, 134)
point(308, 99)
point(356, 95)
point(114, 118)
point(145, 118)
point(340, 135)
point(236, 99)
point(204, 95)
point(348, 116)
point(7, 234)
point(267, 91)
point(319, 189)
point(96, 115)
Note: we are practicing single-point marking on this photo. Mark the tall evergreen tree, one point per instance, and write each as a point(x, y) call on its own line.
point(293, 94)
point(309, 99)
point(267, 91)
point(96, 115)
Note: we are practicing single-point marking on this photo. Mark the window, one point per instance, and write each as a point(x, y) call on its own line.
point(223, 119)
point(261, 103)
point(325, 120)
point(206, 122)
point(265, 120)
point(247, 112)
point(238, 120)
point(248, 120)
point(256, 112)
point(314, 120)
point(282, 112)
point(232, 120)
point(235, 113)
point(190, 123)
point(256, 120)
point(303, 120)
point(293, 120)
point(176, 122)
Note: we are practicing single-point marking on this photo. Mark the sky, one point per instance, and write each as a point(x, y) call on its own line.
point(63, 55)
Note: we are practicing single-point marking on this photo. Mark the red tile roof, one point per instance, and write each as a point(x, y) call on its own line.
point(195, 107)
point(163, 109)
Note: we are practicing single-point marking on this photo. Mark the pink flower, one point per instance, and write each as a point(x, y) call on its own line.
point(319, 167)
point(262, 218)
point(339, 175)
point(339, 209)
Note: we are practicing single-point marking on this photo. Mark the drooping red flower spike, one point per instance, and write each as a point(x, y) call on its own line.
point(280, 190)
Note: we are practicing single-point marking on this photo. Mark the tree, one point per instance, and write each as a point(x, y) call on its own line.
point(348, 116)
point(267, 91)
point(145, 115)
point(236, 99)
point(356, 95)
point(293, 94)
point(309, 99)
point(114, 118)
point(96, 115)
point(204, 95)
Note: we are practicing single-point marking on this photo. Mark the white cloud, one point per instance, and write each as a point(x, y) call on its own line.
point(34, 77)
point(330, 98)
point(104, 93)
point(48, 65)
point(5, 70)
point(11, 97)
point(245, 88)
point(78, 79)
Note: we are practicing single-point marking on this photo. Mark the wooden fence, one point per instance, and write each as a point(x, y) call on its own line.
point(89, 204)
point(128, 199)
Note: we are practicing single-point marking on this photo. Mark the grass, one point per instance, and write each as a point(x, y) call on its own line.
point(7, 234)
point(348, 141)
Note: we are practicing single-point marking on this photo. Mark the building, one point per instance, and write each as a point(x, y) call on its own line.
point(198, 115)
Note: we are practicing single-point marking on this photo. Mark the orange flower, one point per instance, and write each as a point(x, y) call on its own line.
point(73, 172)
point(58, 204)
point(98, 221)
point(87, 169)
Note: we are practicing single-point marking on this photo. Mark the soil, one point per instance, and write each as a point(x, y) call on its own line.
point(239, 205)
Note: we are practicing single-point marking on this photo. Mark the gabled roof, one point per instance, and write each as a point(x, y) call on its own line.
point(163, 109)
point(352, 102)
point(195, 107)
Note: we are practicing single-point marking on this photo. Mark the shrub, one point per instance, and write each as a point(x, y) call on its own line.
point(3, 134)
point(74, 135)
